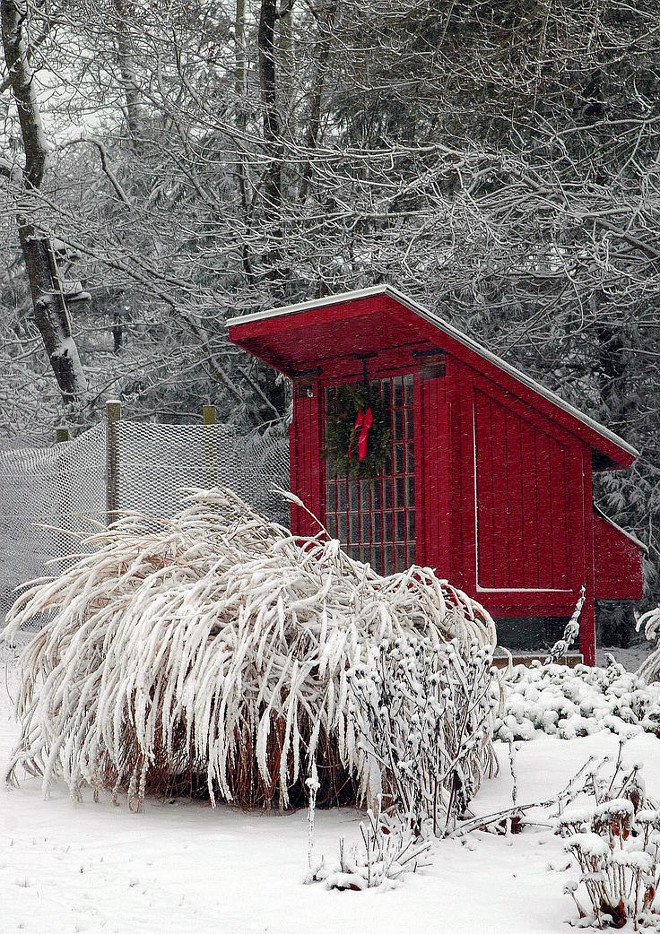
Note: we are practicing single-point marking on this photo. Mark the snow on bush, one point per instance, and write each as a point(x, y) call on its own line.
point(215, 651)
point(389, 849)
point(568, 702)
point(615, 841)
point(428, 715)
point(425, 714)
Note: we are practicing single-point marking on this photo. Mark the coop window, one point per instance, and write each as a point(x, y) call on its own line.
point(375, 518)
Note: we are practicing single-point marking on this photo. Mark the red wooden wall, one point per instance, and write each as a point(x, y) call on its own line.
point(503, 493)
point(432, 470)
point(521, 533)
point(503, 472)
point(305, 459)
point(618, 574)
point(523, 496)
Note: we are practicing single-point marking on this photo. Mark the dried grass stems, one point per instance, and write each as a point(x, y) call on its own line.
point(214, 651)
point(615, 842)
point(427, 718)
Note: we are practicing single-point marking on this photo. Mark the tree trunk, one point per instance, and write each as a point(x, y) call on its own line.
point(272, 143)
point(240, 73)
point(128, 78)
point(326, 21)
point(50, 310)
point(286, 64)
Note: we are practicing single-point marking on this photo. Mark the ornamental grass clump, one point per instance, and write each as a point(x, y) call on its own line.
point(650, 623)
point(215, 653)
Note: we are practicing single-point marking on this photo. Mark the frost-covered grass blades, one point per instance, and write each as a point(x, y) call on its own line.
point(214, 652)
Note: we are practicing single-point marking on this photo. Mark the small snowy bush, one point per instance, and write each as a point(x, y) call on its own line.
point(215, 651)
point(568, 702)
point(615, 841)
point(390, 847)
point(425, 713)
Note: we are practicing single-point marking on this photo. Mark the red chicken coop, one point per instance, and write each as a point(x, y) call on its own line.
point(412, 443)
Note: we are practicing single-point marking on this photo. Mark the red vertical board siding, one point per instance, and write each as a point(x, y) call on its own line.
point(317, 461)
point(456, 475)
point(420, 450)
point(432, 474)
point(544, 531)
point(296, 461)
point(516, 475)
point(294, 483)
point(588, 619)
point(494, 437)
point(485, 509)
point(560, 515)
point(530, 551)
point(306, 462)
point(443, 468)
point(525, 506)
point(466, 489)
point(617, 562)
point(432, 389)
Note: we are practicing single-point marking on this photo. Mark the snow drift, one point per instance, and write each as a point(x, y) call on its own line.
point(215, 652)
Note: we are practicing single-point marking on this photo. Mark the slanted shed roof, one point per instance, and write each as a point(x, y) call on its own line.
point(297, 338)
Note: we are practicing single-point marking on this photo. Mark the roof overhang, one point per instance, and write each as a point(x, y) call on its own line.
point(296, 339)
point(299, 337)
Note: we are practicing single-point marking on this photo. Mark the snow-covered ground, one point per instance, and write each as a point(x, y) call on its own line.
point(183, 867)
point(631, 658)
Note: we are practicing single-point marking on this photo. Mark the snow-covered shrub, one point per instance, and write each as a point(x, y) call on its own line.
point(390, 847)
point(215, 651)
point(568, 702)
point(615, 841)
point(425, 714)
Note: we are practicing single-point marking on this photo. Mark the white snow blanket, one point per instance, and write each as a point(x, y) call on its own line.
point(178, 867)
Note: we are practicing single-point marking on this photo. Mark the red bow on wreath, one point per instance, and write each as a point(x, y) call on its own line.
point(364, 421)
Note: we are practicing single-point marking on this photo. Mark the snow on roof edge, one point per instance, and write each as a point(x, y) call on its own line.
point(633, 538)
point(449, 329)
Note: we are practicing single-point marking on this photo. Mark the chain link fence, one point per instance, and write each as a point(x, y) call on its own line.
point(47, 493)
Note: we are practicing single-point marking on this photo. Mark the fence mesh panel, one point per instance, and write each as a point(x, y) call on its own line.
point(61, 487)
point(64, 486)
point(156, 462)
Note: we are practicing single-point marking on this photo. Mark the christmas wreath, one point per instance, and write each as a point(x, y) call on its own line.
point(357, 432)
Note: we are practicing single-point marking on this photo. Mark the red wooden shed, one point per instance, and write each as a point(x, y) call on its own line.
point(489, 477)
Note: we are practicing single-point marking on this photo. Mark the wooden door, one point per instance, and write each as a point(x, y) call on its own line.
point(375, 519)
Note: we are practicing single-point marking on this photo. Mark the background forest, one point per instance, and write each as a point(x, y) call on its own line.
point(166, 164)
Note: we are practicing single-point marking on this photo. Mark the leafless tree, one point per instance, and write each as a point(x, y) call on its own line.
point(498, 160)
point(40, 252)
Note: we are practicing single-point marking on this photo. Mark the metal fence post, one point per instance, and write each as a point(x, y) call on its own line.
point(112, 418)
point(63, 501)
point(210, 446)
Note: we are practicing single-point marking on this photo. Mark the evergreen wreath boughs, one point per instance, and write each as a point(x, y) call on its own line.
point(342, 435)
